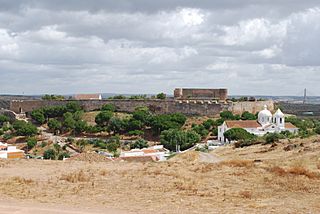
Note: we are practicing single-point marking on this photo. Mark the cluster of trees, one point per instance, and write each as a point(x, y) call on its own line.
point(56, 153)
point(62, 118)
point(228, 115)
point(172, 138)
point(160, 96)
point(52, 97)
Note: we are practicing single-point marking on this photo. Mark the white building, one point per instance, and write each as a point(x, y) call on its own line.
point(10, 152)
point(156, 151)
point(267, 123)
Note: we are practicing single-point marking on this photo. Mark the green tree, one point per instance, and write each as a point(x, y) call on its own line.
point(227, 115)
point(38, 116)
point(238, 134)
point(49, 154)
point(23, 128)
point(3, 119)
point(68, 122)
point(113, 144)
point(248, 116)
point(73, 107)
point(161, 96)
point(108, 107)
point(139, 144)
point(116, 125)
point(186, 139)
point(102, 119)
point(208, 124)
point(54, 125)
point(31, 142)
point(80, 126)
point(272, 137)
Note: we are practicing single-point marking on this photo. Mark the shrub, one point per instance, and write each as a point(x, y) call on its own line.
point(108, 107)
point(38, 116)
point(102, 119)
point(54, 125)
point(113, 144)
point(31, 142)
point(272, 138)
point(248, 116)
point(7, 136)
point(136, 133)
point(63, 155)
point(23, 128)
point(49, 154)
point(185, 139)
point(139, 144)
point(3, 119)
point(238, 134)
point(208, 124)
point(201, 130)
point(161, 96)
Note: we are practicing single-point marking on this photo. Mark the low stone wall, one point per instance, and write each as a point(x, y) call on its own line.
point(203, 108)
point(4, 104)
point(251, 106)
point(300, 109)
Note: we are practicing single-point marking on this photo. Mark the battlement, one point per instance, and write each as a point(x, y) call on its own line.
point(201, 94)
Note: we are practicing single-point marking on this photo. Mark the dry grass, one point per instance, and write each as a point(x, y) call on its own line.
point(296, 170)
point(245, 194)
point(21, 180)
point(237, 163)
point(75, 177)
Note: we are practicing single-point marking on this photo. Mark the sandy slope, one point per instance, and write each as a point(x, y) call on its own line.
point(257, 179)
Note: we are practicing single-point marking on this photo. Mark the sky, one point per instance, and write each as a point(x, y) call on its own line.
point(252, 47)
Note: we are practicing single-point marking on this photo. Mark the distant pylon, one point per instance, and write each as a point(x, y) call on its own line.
point(305, 96)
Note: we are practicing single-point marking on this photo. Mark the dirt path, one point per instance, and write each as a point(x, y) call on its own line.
point(208, 158)
point(35, 208)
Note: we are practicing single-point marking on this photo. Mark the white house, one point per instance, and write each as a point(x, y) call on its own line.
point(10, 152)
point(267, 123)
point(156, 151)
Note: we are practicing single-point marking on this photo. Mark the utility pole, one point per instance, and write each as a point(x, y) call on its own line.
point(305, 96)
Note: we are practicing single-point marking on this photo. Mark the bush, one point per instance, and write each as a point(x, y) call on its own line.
point(113, 144)
point(238, 134)
point(49, 154)
point(208, 124)
point(3, 119)
point(31, 142)
point(7, 136)
point(23, 128)
point(163, 122)
point(63, 155)
point(272, 138)
point(102, 119)
point(139, 144)
point(136, 133)
point(116, 125)
point(248, 116)
point(80, 126)
point(161, 96)
point(54, 125)
point(186, 139)
point(201, 130)
point(109, 107)
point(38, 116)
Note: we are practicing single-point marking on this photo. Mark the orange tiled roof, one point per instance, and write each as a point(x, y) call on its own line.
point(87, 96)
point(242, 124)
point(290, 126)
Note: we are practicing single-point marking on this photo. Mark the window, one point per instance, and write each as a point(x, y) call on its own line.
point(280, 120)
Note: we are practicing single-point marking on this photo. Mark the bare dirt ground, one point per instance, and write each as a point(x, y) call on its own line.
point(282, 178)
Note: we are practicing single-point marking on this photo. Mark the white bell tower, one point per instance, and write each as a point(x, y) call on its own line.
point(279, 119)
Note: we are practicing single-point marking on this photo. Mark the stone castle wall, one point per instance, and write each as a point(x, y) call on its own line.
point(252, 106)
point(158, 106)
point(300, 109)
point(194, 93)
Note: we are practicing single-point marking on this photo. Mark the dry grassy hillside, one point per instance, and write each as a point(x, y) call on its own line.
point(282, 178)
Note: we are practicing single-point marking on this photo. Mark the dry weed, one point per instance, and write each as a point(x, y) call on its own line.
point(296, 170)
point(237, 163)
point(75, 177)
point(21, 180)
point(246, 194)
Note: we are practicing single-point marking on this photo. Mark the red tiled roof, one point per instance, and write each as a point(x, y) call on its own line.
point(87, 96)
point(148, 151)
point(242, 124)
point(290, 126)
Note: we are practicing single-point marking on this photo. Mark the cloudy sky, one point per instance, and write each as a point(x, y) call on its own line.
point(148, 46)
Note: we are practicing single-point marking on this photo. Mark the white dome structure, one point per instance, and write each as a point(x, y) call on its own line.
point(265, 116)
point(278, 118)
